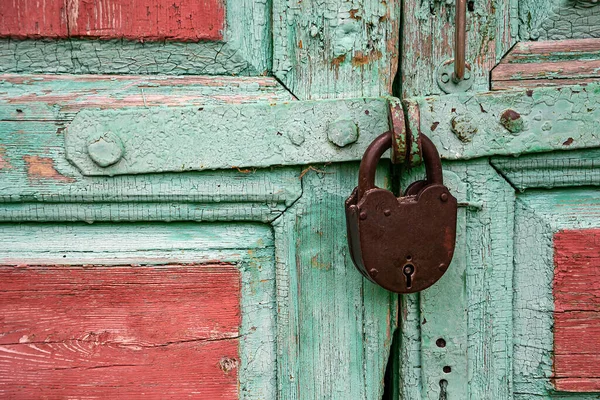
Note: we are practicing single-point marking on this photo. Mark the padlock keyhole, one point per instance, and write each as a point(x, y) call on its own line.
point(408, 271)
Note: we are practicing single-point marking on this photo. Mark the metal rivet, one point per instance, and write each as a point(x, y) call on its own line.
point(512, 121)
point(105, 150)
point(387, 213)
point(443, 267)
point(445, 77)
point(342, 132)
point(363, 215)
point(373, 272)
point(444, 197)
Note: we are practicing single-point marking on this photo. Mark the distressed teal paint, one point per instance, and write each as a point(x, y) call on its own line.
point(558, 19)
point(257, 135)
point(563, 118)
point(539, 214)
point(558, 169)
point(336, 49)
point(335, 328)
point(428, 41)
point(246, 50)
point(249, 246)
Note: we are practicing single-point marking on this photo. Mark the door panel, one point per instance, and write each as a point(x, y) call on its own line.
point(138, 310)
point(555, 253)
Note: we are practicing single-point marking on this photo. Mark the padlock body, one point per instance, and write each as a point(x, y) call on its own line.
point(389, 237)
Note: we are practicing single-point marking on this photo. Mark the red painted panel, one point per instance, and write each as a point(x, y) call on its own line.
point(119, 332)
point(183, 20)
point(577, 310)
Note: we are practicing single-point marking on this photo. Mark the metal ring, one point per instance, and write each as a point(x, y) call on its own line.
point(368, 165)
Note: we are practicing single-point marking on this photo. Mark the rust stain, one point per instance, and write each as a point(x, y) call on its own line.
point(317, 264)
point(568, 142)
point(338, 60)
point(353, 14)
point(39, 168)
point(434, 126)
point(361, 59)
point(300, 44)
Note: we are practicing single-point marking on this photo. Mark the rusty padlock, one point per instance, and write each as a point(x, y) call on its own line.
point(402, 244)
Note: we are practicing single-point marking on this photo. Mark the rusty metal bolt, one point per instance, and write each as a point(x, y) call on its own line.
point(444, 197)
point(105, 150)
point(512, 121)
point(387, 213)
point(363, 215)
point(463, 127)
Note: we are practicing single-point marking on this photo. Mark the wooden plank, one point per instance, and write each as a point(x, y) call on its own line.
point(336, 48)
point(551, 170)
point(533, 64)
point(99, 331)
point(180, 20)
point(576, 292)
point(428, 41)
point(60, 97)
point(334, 327)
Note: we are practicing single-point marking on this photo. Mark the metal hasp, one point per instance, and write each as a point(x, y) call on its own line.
point(402, 244)
point(460, 41)
point(454, 75)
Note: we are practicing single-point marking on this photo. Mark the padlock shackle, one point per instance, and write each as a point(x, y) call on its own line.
point(368, 165)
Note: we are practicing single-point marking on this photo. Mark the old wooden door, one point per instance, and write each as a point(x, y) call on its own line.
point(172, 179)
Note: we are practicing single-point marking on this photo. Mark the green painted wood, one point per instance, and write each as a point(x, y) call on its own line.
point(551, 170)
point(245, 50)
point(249, 246)
point(335, 48)
point(465, 126)
point(471, 308)
point(335, 328)
point(558, 19)
point(539, 214)
point(427, 41)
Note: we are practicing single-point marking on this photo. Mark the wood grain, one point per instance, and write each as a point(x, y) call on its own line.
point(130, 332)
point(577, 310)
point(533, 64)
point(180, 20)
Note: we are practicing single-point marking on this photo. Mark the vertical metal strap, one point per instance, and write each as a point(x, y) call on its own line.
point(460, 40)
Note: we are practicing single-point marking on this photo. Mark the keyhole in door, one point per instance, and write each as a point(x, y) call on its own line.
point(408, 270)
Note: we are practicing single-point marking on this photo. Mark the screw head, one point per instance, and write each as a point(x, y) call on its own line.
point(105, 150)
point(444, 197)
point(342, 132)
point(445, 77)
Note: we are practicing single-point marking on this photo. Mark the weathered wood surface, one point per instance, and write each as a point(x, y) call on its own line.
point(540, 214)
point(466, 125)
point(99, 331)
point(551, 170)
point(428, 41)
point(336, 48)
point(550, 63)
point(558, 19)
point(245, 48)
point(138, 20)
point(59, 247)
point(334, 327)
point(576, 289)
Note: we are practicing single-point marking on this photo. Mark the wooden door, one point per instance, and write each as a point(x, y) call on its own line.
point(172, 180)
